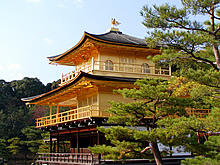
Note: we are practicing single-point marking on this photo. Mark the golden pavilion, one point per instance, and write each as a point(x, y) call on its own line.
point(101, 63)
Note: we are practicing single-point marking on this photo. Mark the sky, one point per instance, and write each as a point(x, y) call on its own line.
point(32, 30)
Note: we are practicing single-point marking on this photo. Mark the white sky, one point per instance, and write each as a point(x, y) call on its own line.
point(31, 30)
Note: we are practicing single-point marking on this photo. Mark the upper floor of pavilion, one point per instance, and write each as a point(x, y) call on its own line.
point(113, 54)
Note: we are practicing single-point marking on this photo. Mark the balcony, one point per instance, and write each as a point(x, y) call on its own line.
point(95, 111)
point(71, 115)
point(118, 70)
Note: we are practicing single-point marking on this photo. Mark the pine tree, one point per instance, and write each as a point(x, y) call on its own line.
point(160, 115)
point(189, 38)
point(182, 34)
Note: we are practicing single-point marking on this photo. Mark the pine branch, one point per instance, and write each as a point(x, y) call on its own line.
point(209, 11)
point(144, 150)
point(214, 6)
point(181, 26)
point(148, 101)
point(195, 57)
point(217, 30)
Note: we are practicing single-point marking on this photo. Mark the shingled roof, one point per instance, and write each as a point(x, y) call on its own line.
point(119, 37)
point(113, 37)
point(75, 80)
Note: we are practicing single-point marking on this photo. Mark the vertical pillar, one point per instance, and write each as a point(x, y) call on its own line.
point(58, 143)
point(77, 142)
point(169, 70)
point(58, 113)
point(64, 147)
point(54, 146)
point(90, 139)
point(62, 77)
point(51, 143)
point(98, 138)
point(98, 142)
point(71, 141)
point(51, 108)
point(92, 68)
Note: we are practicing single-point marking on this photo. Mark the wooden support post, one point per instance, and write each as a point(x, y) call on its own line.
point(77, 142)
point(51, 143)
point(92, 67)
point(58, 113)
point(90, 139)
point(98, 142)
point(58, 143)
point(62, 77)
point(54, 146)
point(169, 70)
point(51, 112)
point(64, 147)
point(98, 138)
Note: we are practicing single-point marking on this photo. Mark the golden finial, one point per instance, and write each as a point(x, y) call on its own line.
point(114, 22)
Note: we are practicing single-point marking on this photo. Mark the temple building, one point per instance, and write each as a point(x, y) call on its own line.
point(100, 63)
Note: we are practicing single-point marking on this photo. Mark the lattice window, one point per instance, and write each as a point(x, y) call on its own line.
point(145, 68)
point(108, 65)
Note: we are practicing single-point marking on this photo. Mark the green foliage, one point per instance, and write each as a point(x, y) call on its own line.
point(158, 114)
point(149, 119)
point(33, 138)
point(200, 161)
point(210, 156)
point(125, 145)
point(27, 87)
point(14, 146)
point(184, 41)
point(44, 147)
point(3, 149)
point(191, 47)
point(15, 115)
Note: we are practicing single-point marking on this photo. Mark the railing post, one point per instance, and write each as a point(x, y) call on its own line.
point(51, 107)
point(62, 79)
point(57, 113)
point(169, 70)
point(92, 67)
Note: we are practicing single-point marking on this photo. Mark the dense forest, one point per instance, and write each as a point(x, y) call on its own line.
point(17, 121)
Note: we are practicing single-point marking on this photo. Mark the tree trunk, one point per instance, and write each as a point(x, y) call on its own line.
point(156, 153)
point(217, 56)
point(215, 46)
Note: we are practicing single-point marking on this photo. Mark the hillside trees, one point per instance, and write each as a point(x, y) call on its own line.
point(15, 116)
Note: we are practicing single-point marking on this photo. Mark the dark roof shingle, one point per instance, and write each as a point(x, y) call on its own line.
point(119, 37)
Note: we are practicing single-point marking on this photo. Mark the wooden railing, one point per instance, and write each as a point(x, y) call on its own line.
point(68, 158)
point(71, 115)
point(94, 111)
point(116, 67)
point(199, 113)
